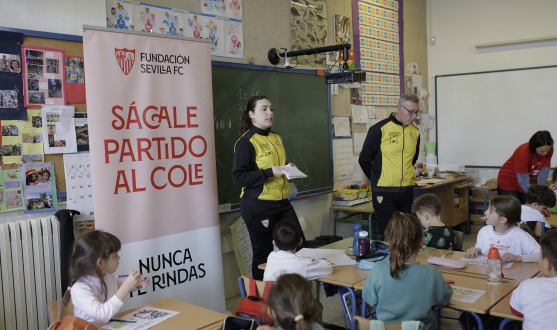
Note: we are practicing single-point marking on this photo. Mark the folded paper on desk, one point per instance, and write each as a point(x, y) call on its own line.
point(145, 318)
point(292, 172)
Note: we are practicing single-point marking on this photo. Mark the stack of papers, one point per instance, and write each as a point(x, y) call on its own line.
point(482, 261)
point(292, 172)
point(337, 258)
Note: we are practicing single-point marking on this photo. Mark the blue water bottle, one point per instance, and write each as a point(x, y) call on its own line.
point(356, 236)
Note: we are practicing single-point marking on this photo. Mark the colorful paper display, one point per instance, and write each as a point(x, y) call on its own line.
point(11, 196)
point(378, 23)
point(11, 77)
point(380, 89)
point(39, 187)
point(382, 78)
point(379, 100)
point(75, 79)
point(377, 11)
point(219, 21)
point(44, 76)
point(367, 54)
point(379, 45)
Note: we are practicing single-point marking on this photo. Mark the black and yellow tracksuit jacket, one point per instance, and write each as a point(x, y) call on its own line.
point(389, 154)
point(255, 153)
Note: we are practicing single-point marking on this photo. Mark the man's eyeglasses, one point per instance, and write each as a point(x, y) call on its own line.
point(412, 113)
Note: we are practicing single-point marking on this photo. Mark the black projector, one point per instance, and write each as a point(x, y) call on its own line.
point(345, 76)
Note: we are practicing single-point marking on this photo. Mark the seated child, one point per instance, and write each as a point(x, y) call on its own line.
point(534, 299)
point(436, 234)
point(291, 304)
point(95, 292)
point(501, 231)
point(538, 199)
point(402, 289)
point(286, 237)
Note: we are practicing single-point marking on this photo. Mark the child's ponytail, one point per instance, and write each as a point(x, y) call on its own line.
point(292, 303)
point(405, 237)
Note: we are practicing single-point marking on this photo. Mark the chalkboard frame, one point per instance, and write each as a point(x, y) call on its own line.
point(305, 194)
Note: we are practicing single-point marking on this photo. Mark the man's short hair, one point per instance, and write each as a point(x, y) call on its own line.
point(427, 203)
point(541, 194)
point(548, 244)
point(286, 235)
point(408, 97)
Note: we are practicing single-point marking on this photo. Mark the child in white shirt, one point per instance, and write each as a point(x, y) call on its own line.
point(501, 231)
point(286, 237)
point(538, 199)
point(95, 292)
point(534, 299)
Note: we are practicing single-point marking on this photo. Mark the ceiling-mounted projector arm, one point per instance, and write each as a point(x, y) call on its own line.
point(274, 56)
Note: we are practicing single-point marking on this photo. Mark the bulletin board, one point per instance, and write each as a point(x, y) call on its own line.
point(71, 48)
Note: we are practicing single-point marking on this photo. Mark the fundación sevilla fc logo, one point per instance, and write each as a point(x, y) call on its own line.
point(125, 59)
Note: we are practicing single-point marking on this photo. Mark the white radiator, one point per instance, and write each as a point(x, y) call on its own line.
point(30, 272)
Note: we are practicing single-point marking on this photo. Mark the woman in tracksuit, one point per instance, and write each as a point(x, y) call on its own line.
point(263, 201)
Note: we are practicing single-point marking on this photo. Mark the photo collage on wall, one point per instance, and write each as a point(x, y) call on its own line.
point(44, 81)
point(220, 21)
point(11, 77)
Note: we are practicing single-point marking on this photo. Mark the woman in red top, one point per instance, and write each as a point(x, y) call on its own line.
point(527, 166)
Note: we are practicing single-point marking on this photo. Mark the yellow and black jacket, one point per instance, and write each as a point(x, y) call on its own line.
point(255, 153)
point(388, 155)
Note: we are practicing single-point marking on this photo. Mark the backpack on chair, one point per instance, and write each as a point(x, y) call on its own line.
point(251, 307)
point(70, 322)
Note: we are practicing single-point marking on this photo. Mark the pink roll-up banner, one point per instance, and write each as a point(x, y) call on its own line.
point(150, 110)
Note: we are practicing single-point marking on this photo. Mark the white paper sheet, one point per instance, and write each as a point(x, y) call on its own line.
point(341, 126)
point(337, 258)
point(343, 159)
point(482, 261)
point(292, 172)
point(59, 129)
point(466, 295)
point(358, 175)
point(371, 122)
point(359, 139)
point(359, 114)
point(145, 318)
point(370, 111)
point(77, 168)
point(381, 113)
point(318, 253)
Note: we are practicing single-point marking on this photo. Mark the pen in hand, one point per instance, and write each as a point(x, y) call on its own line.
point(122, 320)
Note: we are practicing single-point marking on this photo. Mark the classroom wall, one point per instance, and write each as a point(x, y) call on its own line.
point(265, 25)
point(459, 25)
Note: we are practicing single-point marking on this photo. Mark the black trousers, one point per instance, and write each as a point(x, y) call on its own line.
point(260, 221)
point(387, 203)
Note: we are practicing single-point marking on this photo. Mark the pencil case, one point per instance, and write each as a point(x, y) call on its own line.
point(449, 263)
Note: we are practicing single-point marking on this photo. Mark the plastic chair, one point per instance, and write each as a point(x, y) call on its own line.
point(244, 287)
point(360, 323)
point(459, 240)
point(53, 308)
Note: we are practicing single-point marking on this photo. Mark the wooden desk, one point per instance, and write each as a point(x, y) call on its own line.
point(493, 294)
point(445, 191)
point(519, 271)
point(191, 317)
point(360, 285)
point(503, 309)
point(346, 213)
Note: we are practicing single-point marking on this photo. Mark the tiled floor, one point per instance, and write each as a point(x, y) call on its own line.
point(332, 308)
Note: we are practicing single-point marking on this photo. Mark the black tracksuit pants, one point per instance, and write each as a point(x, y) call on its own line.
point(260, 218)
point(387, 203)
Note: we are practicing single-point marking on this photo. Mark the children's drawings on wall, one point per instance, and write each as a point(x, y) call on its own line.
point(119, 14)
point(234, 46)
point(308, 29)
point(341, 25)
point(219, 21)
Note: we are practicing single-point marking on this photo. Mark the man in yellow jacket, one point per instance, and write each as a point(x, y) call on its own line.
point(390, 150)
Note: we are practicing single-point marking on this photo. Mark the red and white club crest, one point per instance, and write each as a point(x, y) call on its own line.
point(278, 144)
point(125, 59)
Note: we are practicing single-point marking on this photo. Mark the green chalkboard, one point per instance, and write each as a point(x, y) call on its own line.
point(301, 106)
